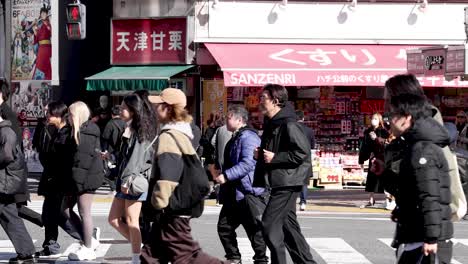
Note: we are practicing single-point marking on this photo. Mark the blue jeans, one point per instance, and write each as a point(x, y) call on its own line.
point(303, 196)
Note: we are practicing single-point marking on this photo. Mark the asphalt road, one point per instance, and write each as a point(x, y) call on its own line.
point(339, 238)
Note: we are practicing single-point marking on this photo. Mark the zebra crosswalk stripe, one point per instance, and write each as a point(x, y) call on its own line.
point(331, 250)
point(388, 242)
point(7, 250)
point(336, 251)
point(101, 252)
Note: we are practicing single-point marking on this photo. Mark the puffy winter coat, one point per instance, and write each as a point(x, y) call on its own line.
point(291, 165)
point(87, 169)
point(240, 164)
point(422, 184)
point(60, 169)
point(13, 170)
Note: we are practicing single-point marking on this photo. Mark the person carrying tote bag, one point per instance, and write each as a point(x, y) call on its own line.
point(172, 196)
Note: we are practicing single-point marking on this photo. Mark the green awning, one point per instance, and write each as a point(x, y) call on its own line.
point(152, 78)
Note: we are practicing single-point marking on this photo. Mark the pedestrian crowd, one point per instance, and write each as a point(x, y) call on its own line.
point(159, 165)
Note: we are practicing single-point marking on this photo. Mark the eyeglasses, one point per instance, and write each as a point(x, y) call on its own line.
point(461, 116)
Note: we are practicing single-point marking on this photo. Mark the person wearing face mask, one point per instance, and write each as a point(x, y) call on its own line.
point(372, 149)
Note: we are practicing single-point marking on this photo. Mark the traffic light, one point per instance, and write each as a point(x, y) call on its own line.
point(76, 21)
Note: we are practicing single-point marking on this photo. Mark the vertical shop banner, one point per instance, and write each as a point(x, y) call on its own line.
point(31, 40)
point(149, 41)
point(214, 99)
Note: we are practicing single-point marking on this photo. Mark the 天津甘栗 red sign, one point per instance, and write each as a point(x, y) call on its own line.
point(148, 41)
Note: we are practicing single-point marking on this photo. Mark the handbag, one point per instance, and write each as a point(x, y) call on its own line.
point(139, 184)
point(377, 166)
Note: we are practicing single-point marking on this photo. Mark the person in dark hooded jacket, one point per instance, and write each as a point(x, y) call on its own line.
point(56, 157)
point(13, 175)
point(422, 184)
point(283, 165)
point(87, 175)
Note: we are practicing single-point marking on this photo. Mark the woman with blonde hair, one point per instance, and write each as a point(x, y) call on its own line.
point(372, 149)
point(87, 176)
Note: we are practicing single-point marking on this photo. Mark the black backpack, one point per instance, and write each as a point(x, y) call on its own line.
point(189, 196)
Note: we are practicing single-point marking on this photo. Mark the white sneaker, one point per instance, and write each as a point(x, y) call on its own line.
point(302, 207)
point(83, 253)
point(95, 243)
point(390, 205)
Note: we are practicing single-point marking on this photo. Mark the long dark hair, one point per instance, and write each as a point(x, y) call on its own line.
point(143, 120)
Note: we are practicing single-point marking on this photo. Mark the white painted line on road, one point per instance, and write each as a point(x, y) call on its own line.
point(386, 241)
point(461, 241)
point(246, 250)
point(7, 250)
point(73, 247)
point(8, 244)
point(336, 251)
point(102, 249)
point(347, 218)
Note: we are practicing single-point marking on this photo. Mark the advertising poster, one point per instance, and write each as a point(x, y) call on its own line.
point(31, 47)
point(214, 99)
point(29, 99)
point(31, 156)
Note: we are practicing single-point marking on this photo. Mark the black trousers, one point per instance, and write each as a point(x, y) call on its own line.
point(52, 218)
point(16, 230)
point(444, 255)
point(29, 214)
point(281, 229)
point(246, 212)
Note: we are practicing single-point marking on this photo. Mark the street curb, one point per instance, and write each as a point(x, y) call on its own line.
point(327, 208)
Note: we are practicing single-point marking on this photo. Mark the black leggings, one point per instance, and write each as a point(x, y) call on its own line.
point(84, 222)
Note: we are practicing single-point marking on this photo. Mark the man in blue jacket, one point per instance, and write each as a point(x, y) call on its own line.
point(242, 203)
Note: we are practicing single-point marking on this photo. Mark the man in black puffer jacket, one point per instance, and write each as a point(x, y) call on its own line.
point(13, 175)
point(422, 184)
point(283, 165)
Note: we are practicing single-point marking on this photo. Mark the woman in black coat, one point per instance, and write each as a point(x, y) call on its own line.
point(372, 149)
point(57, 166)
point(86, 176)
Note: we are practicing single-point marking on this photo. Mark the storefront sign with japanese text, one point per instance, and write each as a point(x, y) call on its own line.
point(317, 65)
point(415, 61)
point(149, 41)
point(456, 60)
